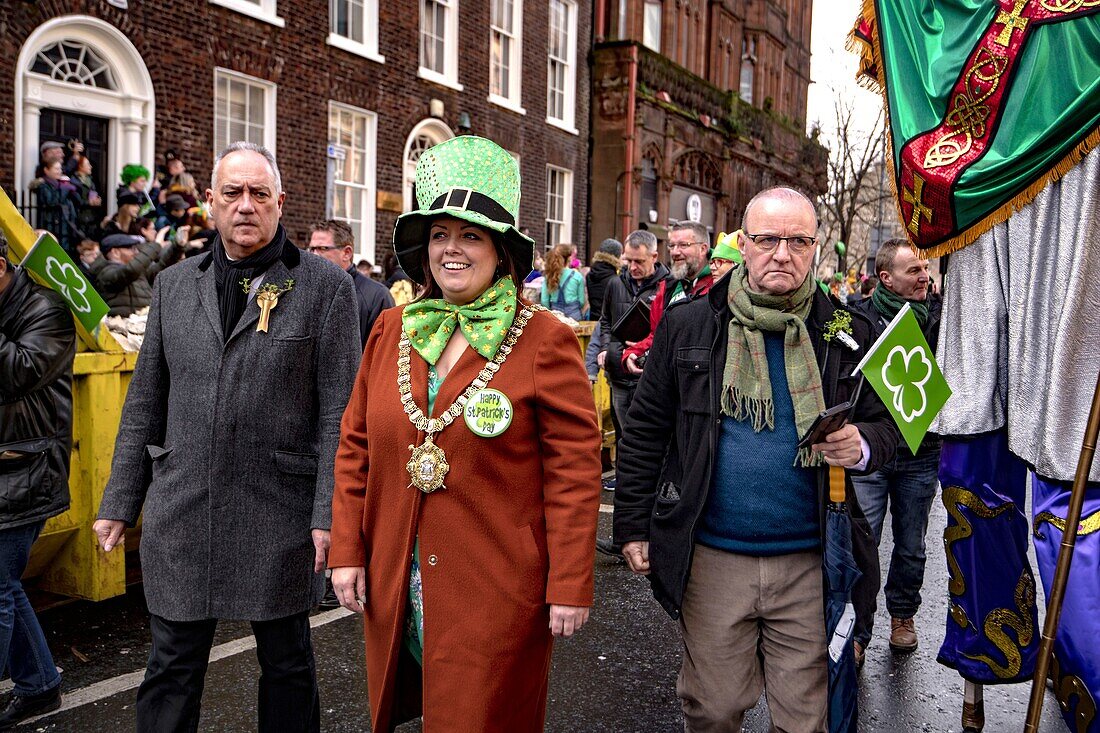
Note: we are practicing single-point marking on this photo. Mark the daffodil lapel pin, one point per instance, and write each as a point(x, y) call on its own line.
point(267, 297)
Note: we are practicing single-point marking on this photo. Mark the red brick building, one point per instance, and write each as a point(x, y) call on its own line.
point(346, 92)
point(698, 105)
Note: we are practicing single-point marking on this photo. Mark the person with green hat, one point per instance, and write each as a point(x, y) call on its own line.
point(468, 474)
point(725, 254)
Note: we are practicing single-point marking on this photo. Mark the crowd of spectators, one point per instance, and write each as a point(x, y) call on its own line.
point(157, 221)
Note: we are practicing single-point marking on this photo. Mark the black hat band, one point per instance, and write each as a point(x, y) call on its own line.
point(465, 199)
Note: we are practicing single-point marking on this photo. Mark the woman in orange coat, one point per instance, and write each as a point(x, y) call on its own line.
point(468, 473)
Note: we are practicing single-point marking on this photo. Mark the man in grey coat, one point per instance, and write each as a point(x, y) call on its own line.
point(227, 443)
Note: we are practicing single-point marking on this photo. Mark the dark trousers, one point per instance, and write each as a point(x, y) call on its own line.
point(621, 397)
point(169, 699)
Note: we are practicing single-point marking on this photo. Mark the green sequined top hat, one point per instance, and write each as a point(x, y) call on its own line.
point(469, 178)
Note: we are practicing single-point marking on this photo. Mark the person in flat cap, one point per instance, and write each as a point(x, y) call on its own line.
point(466, 539)
point(128, 264)
point(53, 151)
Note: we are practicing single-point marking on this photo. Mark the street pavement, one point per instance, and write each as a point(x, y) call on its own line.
point(617, 676)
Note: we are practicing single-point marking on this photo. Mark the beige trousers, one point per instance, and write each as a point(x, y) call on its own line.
point(751, 624)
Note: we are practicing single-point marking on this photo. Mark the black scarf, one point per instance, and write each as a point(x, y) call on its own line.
point(228, 274)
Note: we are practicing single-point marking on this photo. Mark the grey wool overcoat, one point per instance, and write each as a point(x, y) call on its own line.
point(229, 446)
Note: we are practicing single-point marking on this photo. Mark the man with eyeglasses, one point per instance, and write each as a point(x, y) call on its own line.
point(334, 241)
point(717, 504)
point(689, 252)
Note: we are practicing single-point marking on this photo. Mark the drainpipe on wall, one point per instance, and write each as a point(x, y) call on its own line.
point(628, 181)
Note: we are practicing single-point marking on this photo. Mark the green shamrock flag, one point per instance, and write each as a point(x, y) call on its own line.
point(53, 267)
point(903, 371)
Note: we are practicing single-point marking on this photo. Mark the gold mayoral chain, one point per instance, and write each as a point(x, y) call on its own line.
point(428, 465)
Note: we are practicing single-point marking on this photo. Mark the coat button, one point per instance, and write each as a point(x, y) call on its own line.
point(433, 560)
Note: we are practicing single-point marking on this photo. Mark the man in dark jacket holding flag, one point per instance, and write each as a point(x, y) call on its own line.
point(717, 504)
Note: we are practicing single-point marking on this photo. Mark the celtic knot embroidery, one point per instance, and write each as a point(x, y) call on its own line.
point(968, 115)
point(1068, 6)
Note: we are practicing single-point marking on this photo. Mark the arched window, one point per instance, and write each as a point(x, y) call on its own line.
point(75, 63)
point(698, 170)
point(426, 134)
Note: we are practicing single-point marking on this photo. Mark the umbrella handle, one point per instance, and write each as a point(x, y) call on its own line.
point(836, 484)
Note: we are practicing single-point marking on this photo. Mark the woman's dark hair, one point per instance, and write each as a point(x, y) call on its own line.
point(139, 223)
point(507, 267)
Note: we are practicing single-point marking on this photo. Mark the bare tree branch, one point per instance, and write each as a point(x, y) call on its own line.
point(858, 194)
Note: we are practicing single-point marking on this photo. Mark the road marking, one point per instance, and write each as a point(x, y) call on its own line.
point(606, 508)
point(122, 683)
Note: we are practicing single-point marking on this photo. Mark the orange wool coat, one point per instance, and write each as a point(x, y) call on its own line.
point(513, 531)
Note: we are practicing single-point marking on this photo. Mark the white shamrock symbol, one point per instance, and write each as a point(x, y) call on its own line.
point(70, 283)
point(913, 370)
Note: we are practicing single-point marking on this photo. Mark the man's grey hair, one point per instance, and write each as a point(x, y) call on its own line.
point(887, 252)
point(4, 247)
point(641, 238)
point(779, 193)
point(698, 231)
point(245, 146)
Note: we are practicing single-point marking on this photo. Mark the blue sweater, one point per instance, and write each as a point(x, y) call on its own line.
point(759, 502)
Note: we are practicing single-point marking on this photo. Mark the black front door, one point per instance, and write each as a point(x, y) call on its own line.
point(65, 127)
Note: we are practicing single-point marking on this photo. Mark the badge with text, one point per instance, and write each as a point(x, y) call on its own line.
point(488, 413)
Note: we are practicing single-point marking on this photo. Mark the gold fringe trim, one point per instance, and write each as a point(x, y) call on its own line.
point(865, 75)
point(1019, 201)
point(879, 68)
point(1003, 212)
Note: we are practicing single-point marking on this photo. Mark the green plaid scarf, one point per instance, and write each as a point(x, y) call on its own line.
point(746, 387)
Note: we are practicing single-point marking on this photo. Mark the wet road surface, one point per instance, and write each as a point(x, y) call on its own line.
point(617, 676)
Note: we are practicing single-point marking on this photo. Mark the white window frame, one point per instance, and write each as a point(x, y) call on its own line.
point(566, 222)
point(365, 233)
point(449, 77)
point(270, 91)
point(368, 48)
point(568, 121)
point(512, 100)
point(748, 62)
point(648, 28)
point(264, 10)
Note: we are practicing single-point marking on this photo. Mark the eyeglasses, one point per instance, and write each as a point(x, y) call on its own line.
point(684, 245)
point(770, 243)
point(321, 248)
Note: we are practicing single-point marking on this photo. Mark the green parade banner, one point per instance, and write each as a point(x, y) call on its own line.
point(987, 102)
point(903, 371)
point(53, 267)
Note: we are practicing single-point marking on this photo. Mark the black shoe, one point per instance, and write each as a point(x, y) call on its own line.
point(329, 600)
point(22, 708)
point(608, 484)
point(609, 548)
